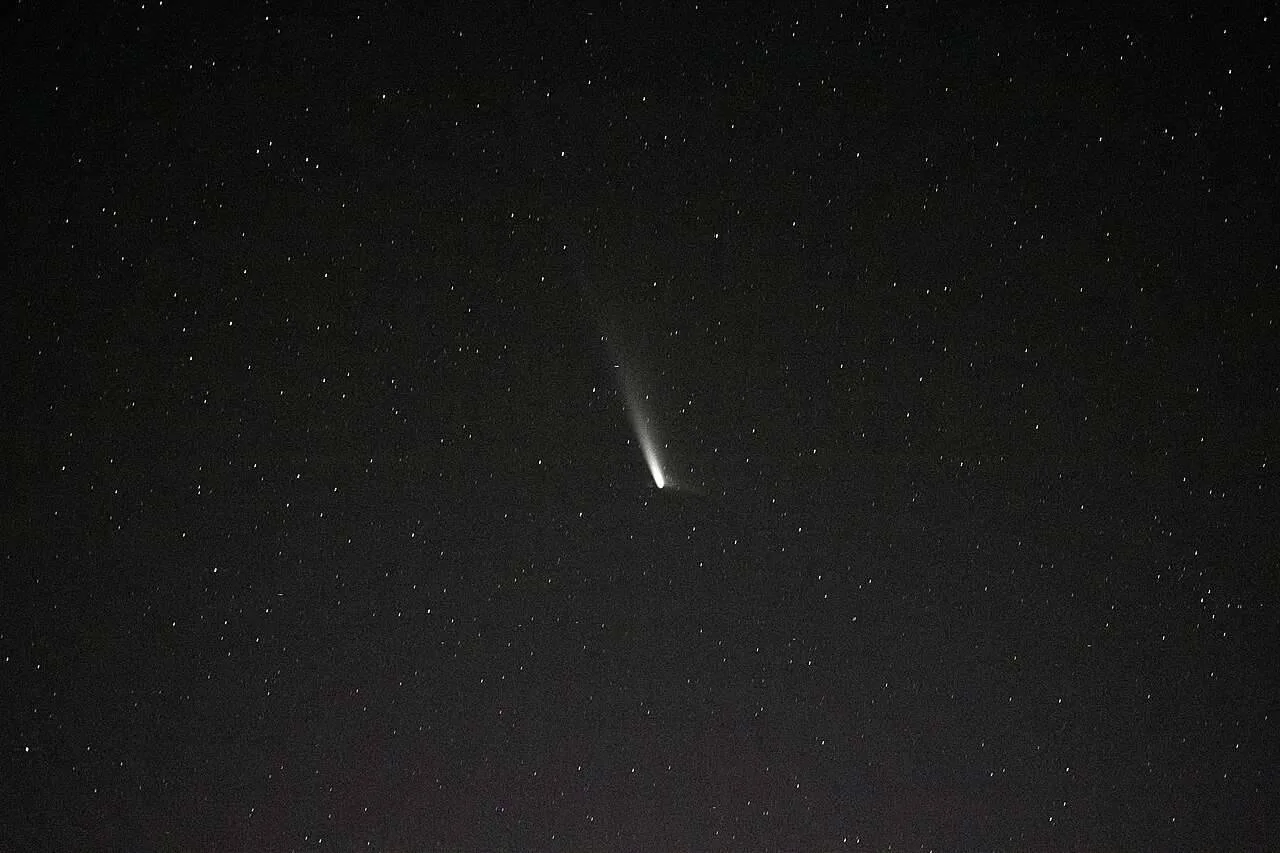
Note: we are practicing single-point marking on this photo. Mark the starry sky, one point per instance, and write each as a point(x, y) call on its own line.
point(336, 338)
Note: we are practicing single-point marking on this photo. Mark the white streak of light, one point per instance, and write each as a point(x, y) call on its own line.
point(640, 423)
point(651, 456)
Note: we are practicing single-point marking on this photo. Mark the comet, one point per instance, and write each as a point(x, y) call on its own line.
point(650, 451)
point(636, 401)
point(638, 415)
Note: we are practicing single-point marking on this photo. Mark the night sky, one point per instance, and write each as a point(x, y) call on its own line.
point(344, 353)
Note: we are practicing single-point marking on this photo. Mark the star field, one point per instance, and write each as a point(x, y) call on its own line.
point(331, 337)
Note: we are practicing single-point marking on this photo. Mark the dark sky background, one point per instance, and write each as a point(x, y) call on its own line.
point(326, 527)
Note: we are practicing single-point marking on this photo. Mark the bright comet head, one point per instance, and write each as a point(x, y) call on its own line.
point(638, 415)
point(650, 452)
point(655, 470)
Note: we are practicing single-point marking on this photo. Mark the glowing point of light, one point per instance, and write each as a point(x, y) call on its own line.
point(649, 449)
point(654, 468)
point(644, 433)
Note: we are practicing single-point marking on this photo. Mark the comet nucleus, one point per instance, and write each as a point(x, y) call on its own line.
point(637, 413)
